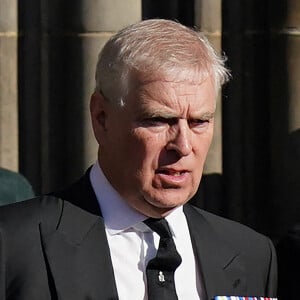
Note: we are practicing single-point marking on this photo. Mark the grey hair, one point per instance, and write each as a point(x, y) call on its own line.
point(156, 47)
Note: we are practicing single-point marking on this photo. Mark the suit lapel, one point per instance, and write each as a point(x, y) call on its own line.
point(77, 251)
point(221, 268)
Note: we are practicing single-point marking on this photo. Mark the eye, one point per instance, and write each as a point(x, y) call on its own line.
point(159, 121)
point(153, 121)
point(198, 123)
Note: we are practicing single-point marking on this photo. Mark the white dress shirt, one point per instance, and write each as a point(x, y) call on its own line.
point(132, 244)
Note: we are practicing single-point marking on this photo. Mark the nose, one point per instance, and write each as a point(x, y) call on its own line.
point(180, 139)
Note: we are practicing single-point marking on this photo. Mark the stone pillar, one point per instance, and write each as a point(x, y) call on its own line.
point(246, 113)
point(84, 40)
point(64, 40)
point(30, 67)
point(8, 85)
point(181, 10)
point(285, 113)
point(209, 20)
point(261, 114)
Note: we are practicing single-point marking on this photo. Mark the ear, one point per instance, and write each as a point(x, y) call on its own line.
point(98, 108)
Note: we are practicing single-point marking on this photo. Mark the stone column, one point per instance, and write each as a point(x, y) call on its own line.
point(208, 18)
point(84, 40)
point(57, 80)
point(246, 113)
point(285, 113)
point(8, 85)
point(261, 115)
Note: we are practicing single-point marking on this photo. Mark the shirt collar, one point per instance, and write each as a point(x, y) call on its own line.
point(175, 220)
point(117, 214)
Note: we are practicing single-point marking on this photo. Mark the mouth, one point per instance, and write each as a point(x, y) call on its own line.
point(170, 172)
point(171, 178)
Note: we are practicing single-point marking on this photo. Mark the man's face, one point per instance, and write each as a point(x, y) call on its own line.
point(153, 149)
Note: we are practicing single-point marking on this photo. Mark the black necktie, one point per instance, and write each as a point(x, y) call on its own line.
point(160, 270)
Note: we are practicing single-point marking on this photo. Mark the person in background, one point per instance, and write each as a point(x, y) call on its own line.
point(125, 230)
point(14, 187)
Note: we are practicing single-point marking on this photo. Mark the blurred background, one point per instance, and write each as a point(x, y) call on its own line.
point(48, 52)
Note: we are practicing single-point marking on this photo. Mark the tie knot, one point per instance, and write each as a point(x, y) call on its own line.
point(160, 226)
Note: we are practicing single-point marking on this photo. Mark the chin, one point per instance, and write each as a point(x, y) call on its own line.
point(168, 203)
point(159, 212)
point(165, 200)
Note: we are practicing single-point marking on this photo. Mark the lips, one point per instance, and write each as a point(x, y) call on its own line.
point(171, 178)
point(170, 172)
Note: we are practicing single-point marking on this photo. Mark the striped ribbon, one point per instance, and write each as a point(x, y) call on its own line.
point(242, 298)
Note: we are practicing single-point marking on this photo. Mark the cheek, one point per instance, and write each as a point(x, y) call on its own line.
point(147, 149)
point(202, 145)
point(148, 143)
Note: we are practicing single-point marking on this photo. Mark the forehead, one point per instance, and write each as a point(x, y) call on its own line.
point(195, 93)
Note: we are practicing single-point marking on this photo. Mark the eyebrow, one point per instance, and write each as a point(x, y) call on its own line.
point(158, 113)
point(208, 115)
point(170, 115)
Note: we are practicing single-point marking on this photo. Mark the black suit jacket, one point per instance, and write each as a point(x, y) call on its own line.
point(55, 247)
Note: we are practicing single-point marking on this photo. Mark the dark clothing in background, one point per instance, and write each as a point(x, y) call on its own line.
point(288, 251)
point(14, 187)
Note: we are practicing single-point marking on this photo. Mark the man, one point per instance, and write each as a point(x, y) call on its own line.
point(152, 114)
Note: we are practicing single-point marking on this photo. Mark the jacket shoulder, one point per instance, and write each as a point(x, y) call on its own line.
point(238, 236)
point(30, 213)
point(224, 226)
point(255, 249)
